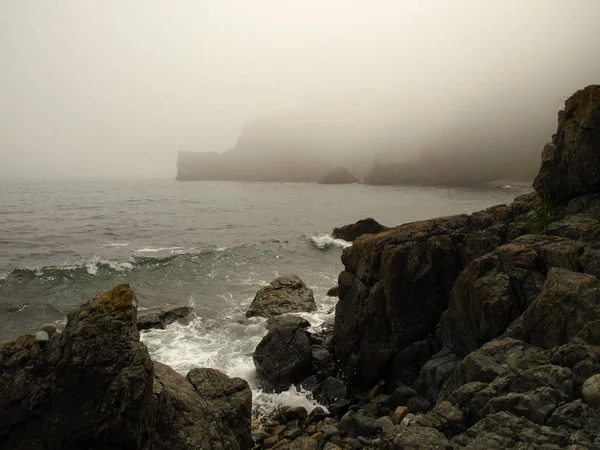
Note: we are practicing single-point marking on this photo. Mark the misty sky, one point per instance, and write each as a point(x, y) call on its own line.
point(94, 89)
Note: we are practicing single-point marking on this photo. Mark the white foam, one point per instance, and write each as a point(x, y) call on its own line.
point(325, 241)
point(265, 404)
point(115, 244)
point(156, 250)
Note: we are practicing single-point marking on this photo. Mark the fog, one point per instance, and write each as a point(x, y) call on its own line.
point(114, 89)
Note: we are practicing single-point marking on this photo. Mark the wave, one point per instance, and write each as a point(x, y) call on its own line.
point(326, 241)
point(115, 244)
point(159, 249)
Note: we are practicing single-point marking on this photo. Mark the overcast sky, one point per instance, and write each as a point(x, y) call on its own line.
point(107, 88)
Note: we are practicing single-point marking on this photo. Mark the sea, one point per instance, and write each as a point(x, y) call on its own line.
point(209, 245)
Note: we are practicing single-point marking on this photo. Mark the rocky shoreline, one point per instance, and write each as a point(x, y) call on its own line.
point(473, 331)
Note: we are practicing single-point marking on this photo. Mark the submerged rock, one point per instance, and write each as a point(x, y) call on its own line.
point(353, 231)
point(163, 318)
point(286, 294)
point(334, 291)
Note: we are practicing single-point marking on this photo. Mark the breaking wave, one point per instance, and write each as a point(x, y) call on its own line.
point(326, 241)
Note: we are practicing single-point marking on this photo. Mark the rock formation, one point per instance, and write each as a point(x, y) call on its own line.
point(94, 386)
point(353, 231)
point(286, 294)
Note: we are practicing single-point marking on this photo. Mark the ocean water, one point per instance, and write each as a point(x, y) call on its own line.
point(210, 245)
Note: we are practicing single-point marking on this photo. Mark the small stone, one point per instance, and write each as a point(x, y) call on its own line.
point(408, 419)
point(316, 415)
point(334, 291)
point(58, 332)
point(311, 429)
point(277, 430)
point(591, 391)
point(375, 391)
point(49, 328)
point(317, 436)
point(281, 444)
point(331, 446)
point(42, 336)
point(384, 422)
point(399, 414)
point(270, 442)
point(292, 434)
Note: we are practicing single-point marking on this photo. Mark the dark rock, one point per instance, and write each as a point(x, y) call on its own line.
point(152, 320)
point(358, 423)
point(284, 356)
point(297, 413)
point(353, 231)
point(286, 294)
point(418, 404)
point(435, 372)
point(322, 360)
point(505, 430)
point(331, 390)
point(163, 318)
point(339, 175)
point(286, 320)
point(444, 417)
point(572, 415)
point(333, 292)
point(309, 384)
point(339, 407)
point(400, 397)
point(499, 357)
point(568, 301)
point(488, 296)
point(206, 410)
point(396, 285)
point(413, 438)
point(90, 387)
point(537, 406)
point(590, 391)
point(316, 415)
point(571, 163)
point(304, 443)
point(408, 362)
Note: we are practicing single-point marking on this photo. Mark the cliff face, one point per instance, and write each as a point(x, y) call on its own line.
point(495, 326)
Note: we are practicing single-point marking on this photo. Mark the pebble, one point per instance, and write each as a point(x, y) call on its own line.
point(42, 336)
point(49, 328)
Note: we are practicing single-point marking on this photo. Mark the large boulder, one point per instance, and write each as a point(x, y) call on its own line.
point(163, 318)
point(284, 355)
point(571, 162)
point(339, 175)
point(353, 231)
point(286, 294)
point(206, 410)
point(89, 387)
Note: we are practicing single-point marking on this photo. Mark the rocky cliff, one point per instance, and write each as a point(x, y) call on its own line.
point(95, 387)
point(495, 326)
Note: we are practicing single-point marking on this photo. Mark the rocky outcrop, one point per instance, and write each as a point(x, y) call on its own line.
point(90, 387)
point(94, 386)
point(339, 175)
point(286, 294)
point(571, 162)
point(353, 231)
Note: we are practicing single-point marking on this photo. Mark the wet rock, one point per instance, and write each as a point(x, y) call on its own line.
point(284, 356)
point(358, 423)
point(400, 396)
point(536, 405)
point(568, 301)
point(286, 294)
point(304, 443)
point(92, 388)
point(591, 391)
point(322, 360)
point(316, 415)
point(408, 362)
point(333, 292)
point(286, 320)
point(49, 328)
point(339, 407)
point(205, 410)
point(571, 163)
point(353, 231)
point(572, 415)
point(297, 413)
point(163, 318)
point(331, 390)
